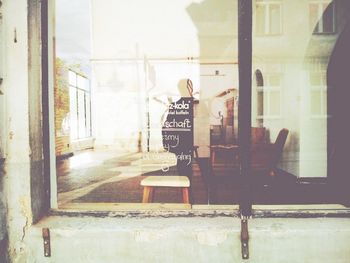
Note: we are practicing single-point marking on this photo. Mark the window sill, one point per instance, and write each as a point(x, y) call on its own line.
point(300, 211)
point(324, 34)
point(145, 210)
point(266, 117)
point(184, 210)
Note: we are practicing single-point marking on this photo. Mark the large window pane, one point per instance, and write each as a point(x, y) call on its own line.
point(145, 70)
point(302, 99)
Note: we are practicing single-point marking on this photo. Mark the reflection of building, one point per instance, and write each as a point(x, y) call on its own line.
point(291, 55)
point(73, 129)
point(140, 66)
point(290, 61)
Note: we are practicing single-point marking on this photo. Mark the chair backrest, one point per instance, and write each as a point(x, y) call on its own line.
point(265, 156)
point(258, 135)
point(216, 136)
point(279, 144)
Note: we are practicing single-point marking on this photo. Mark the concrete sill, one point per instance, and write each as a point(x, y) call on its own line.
point(145, 210)
point(301, 211)
point(185, 210)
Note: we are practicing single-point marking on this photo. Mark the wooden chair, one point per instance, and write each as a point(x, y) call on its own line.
point(265, 156)
point(258, 136)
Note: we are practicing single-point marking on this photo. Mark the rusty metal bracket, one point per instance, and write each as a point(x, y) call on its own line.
point(47, 245)
point(244, 238)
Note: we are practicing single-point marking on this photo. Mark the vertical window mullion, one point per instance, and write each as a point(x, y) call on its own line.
point(244, 106)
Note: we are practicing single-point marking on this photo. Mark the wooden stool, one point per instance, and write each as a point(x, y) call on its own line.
point(151, 182)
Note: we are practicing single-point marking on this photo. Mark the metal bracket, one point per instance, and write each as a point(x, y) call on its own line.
point(47, 246)
point(244, 238)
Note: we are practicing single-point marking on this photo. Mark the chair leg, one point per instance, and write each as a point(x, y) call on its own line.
point(185, 195)
point(151, 194)
point(147, 192)
point(212, 159)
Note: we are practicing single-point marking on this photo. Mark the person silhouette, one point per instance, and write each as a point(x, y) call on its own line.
point(177, 129)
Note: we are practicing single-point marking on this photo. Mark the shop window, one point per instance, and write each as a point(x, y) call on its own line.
point(268, 17)
point(138, 83)
point(322, 17)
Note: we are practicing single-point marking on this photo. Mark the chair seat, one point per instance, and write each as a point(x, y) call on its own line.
point(224, 146)
point(166, 181)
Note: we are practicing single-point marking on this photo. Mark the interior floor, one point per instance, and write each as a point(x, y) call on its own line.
point(108, 177)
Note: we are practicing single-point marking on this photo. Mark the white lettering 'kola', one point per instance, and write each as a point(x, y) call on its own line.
point(179, 106)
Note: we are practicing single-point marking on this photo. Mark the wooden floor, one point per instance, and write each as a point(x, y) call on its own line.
point(109, 177)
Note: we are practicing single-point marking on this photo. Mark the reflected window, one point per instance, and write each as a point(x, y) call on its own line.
point(269, 96)
point(79, 96)
point(268, 17)
point(260, 93)
point(322, 17)
point(318, 93)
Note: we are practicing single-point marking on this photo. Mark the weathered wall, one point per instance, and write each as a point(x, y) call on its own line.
point(23, 182)
point(162, 240)
point(37, 175)
point(17, 165)
point(3, 217)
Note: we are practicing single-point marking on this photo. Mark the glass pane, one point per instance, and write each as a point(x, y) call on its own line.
point(304, 111)
point(274, 80)
point(260, 103)
point(81, 114)
point(163, 84)
point(324, 103)
point(274, 103)
point(313, 17)
point(260, 19)
point(82, 83)
point(72, 78)
point(315, 79)
point(275, 19)
point(73, 113)
point(328, 18)
point(88, 114)
point(316, 101)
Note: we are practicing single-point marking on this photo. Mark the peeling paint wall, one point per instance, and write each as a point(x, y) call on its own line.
point(23, 181)
point(37, 176)
point(3, 218)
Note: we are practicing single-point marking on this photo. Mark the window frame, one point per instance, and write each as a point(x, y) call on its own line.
point(319, 3)
point(245, 207)
point(322, 89)
point(266, 90)
point(267, 18)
